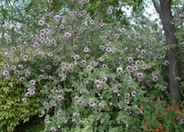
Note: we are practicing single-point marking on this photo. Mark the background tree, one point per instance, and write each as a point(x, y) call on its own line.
point(163, 8)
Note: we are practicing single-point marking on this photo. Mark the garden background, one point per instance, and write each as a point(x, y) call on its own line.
point(91, 66)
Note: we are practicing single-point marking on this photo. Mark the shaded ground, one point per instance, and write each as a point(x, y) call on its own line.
point(35, 124)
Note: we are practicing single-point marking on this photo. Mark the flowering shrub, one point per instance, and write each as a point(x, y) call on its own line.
point(95, 76)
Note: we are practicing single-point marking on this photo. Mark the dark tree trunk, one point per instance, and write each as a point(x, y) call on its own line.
point(164, 10)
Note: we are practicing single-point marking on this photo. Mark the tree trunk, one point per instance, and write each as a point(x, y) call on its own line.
point(165, 14)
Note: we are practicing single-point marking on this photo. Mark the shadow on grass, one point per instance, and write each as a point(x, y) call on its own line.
point(35, 124)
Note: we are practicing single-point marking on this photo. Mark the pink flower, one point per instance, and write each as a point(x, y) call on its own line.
point(144, 67)
point(127, 101)
point(9, 40)
point(110, 44)
point(155, 78)
point(116, 36)
point(127, 108)
point(136, 34)
point(137, 62)
point(75, 47)
point(13, 67)
point(91, 21)
point(102, 47)
point(182, 121)
point(134, 93)
point(57, 17)
point(46, 121)
point(17, 72)
point(27, 73)
point(143, 52)
point(6, 73)
point(122, 30)
point(92, 104)
point(109, 49)
point(6, 66)
point(130, 59)
point(134, 68)
point(86, 49)
point(21, 78)
point(59, 112)
point(49, 1)
point(140, 75)
point(104, 66)
point(97, 82)
point(32, 82)
point(127, 95)
point(129, 68)
point(62, 26)
point(60, 97)
point(110, 7)
point(13, 48)
point(104, 37)
point(119, 70)
point(115, 90)
point(166, 63)
point(76, 57)
point(88, 43)
point(50, 54)
point(109, 11)
point(41, 22)
point(24, 100)
point(68, 34)
point(89, 68)
point(48, 67)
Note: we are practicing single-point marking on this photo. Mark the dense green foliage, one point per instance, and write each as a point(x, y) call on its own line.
point(95, 75)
